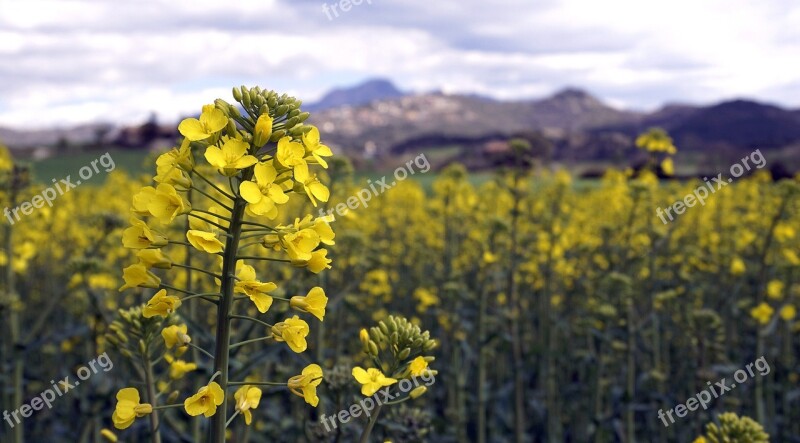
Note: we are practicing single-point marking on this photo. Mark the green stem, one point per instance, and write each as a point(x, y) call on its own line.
point(253, 340)
point(368, 430)
point(178, 265)
point(200, 349)
point(256, 383)
point(213, 185)
point(215, 200)
point(222, 350)
point(244, 317)
point(151, 398)
point(253, 257)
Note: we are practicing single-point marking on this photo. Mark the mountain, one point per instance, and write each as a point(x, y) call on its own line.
point(394, 124)
point(736, 124)
point(363, 93)
point(376, 119)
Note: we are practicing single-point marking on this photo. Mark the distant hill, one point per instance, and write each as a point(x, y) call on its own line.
point(363, 93)
point(385, 124)
point(375, 119)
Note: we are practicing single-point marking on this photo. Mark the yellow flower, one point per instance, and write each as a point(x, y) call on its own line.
point(128, 408)
point(418, 366)
point(700, 439)
point(299, 245)
point(180, 158)
point(788, 312)
point(263, 130)
point(175, 335)
point(179, 368)
point(762, 313)
point(314, 302)
point(204, 241)
point(141, 200)
point(489, 258)
point(323, 228)
point(161, 304)
point(737, 266)
point(247, 398)
point(231, 158)
point(6, 161)
point(656, 140)
point(166, 204)
point(138, 275)
point(108, 435)
point(293, 331)
point(154, 258)
point(775, 289)
point(206, 400)
point(315, 148)
point(263, 194)
point(211, 121)
point(246, 283)
point(315, 190)
point(174, 177)
point(140, 236)
point(319, 260)
point(371, 380)
point(290, 154)
point(667, 166)
point(305, 385)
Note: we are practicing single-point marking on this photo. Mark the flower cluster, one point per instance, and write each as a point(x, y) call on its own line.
point(254, 164)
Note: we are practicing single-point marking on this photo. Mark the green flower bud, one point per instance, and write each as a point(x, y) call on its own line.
point(231, 128)
point(277, 135)
point(237, 94)
point(373, 348)
point(299, 130)
point(417, 392)
point(246, 101)
point(404, 354)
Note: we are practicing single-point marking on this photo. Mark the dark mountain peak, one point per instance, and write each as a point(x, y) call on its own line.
point(360, 94)
point(570, 93)
point(744, 105)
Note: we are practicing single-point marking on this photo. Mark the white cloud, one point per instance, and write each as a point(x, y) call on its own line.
point(72, 61)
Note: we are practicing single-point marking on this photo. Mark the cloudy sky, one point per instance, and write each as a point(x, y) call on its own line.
point(64, 62)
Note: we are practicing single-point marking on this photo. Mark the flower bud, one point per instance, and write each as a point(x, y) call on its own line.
point(417, 392)
point(373, 348)
point(404, 354)
point(263, 130)
point(231, 128)
point(277, 135)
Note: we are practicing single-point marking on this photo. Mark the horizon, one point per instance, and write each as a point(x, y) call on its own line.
point(162, 121)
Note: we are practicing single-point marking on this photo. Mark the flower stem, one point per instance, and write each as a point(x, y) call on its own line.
point(222, 349)
point(368, 430)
